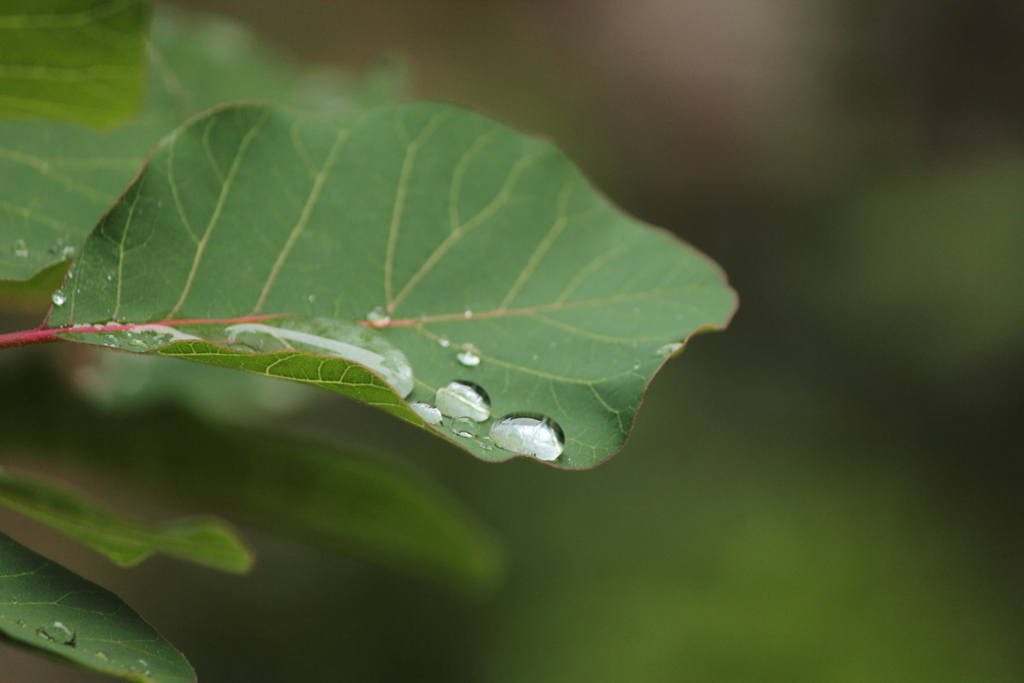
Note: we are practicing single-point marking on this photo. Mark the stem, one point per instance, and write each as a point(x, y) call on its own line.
point(44, 335)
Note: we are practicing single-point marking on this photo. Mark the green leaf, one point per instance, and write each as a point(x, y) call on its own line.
point(73, 60)
point(124, 540)
point(47, 608)
point(59, 179)
point(341, 500)
point(471, 236)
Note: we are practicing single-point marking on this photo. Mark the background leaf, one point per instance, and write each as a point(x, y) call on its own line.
point(59, 179)
point(46, 607)
point(470, 235)
point(73, 60)
point(374, 509)
point(124, 540)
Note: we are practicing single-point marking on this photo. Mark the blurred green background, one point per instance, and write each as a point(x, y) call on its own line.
point(828, 491)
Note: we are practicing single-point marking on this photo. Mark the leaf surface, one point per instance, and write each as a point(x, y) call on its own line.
point(58, 179)
point(48, 608)
point(73, 60)
point(470, 236)
point(124, 540)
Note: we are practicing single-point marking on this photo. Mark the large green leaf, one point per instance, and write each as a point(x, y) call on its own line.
point(44, 606)
point(124, 540)
point(59, 179)
point(344, 501)
point(73, 60)
point(470, 236)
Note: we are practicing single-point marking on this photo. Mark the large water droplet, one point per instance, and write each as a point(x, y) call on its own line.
point(20, 249)
point(463, 426)
point(378, 316)
point(667, 349)
point(327, 336)
point(430, 414)
point(529, 434)
point(464, 399)
point(469, 356)
point(59, 297)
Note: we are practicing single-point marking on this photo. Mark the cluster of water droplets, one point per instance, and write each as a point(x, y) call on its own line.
point(464, 408)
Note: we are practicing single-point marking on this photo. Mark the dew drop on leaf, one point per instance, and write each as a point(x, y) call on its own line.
point(59, 297)
point(429, 413)
point(464, 399)
point(486, 443)
point(469, 356)
point(20, 249)
point(102, 655)
point(443, 341)
point(328, 336)
point(463, 426)
point(68, 251)
point(668, 349)
point(529, 434)
point(378, 316)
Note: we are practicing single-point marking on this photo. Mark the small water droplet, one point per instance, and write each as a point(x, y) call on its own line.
point(14, 600)
point(486, 443)
point(378, 316)
point(311, 298)
point(468, 313)
point(109, 278)
point(536, 357)
point(102, 655)
point(59, 297)
point(463, 426)
point(70, 275)
point(20, 249)
point(41, 632)
point(668, 349)
point(159, 204)
point(57, 632)
point(464, 399)
point(529, 434)
point(68, 251)
point(139, 342)
point(636, 365)
point(54, 249)
point(429, 413)
point(469, 356)
point(443, 341)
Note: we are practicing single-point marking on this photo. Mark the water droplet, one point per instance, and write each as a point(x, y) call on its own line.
point(109, 278)
point(327, 336)
point(68, 251)
point(469, 356)
point(463, 426)
point(429, 413)
point(468, 313)
point(54, 249)
point(70, 275)
point(378, 316)
point(668, 349)
point(41, 632)
point(59, 297)
point(311, 298)
point(443, 341)
point(529, 434)
point(102, 655)
point(14, 600)
point(464, 399)
point(536, 357)
point(486, 443)
point(159, 204)
point(20, 249)
point(636, 365)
